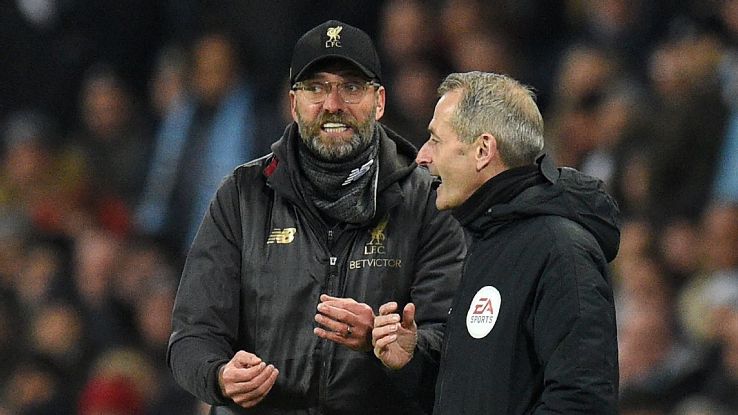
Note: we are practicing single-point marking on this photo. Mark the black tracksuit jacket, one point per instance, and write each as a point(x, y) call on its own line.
point(541, 339)
point(263, 256)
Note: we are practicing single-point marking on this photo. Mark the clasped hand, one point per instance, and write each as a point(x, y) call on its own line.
point(345, 321)
point(246, 379)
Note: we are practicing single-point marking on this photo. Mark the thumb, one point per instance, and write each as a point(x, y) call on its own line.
point(408, 316)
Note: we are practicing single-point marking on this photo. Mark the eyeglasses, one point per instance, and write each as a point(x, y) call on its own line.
point(351, 92)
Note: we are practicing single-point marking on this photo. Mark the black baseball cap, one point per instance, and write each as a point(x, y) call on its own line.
point(334, 39)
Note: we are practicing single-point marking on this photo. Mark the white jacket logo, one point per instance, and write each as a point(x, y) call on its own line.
point(483, 312)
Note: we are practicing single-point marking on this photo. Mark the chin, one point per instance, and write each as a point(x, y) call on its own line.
point(442, 204)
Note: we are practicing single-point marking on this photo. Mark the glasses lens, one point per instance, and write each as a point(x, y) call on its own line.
point(350, 92)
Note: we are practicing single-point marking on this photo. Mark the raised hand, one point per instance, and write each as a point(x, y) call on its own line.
point(394, 338)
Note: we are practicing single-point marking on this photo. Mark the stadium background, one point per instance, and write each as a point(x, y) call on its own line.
point(641, 93)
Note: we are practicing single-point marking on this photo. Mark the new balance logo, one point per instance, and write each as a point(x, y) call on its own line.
point(358, 172)
point(282, 236)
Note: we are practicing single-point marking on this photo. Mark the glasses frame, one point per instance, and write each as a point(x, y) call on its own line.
point(303, 86)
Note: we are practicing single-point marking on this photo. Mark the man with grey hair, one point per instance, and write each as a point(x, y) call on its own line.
point(532, 326)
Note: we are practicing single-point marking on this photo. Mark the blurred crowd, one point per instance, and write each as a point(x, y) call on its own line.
point(119, 119)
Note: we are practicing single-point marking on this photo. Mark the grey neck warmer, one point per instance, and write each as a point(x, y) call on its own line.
point(342, 190)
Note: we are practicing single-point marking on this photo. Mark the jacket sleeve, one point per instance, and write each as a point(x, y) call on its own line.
point(206, 310)
point(573, 325)
point(438, 265)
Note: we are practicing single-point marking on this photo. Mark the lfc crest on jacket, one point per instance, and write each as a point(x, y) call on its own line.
point(376, 247)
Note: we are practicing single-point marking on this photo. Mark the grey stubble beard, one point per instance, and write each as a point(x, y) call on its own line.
point(333, 151)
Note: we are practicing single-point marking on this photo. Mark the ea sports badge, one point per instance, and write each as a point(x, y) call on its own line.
point(483, 312)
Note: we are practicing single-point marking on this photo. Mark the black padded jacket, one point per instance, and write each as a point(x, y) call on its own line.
point(263, 256)
point(532, 328)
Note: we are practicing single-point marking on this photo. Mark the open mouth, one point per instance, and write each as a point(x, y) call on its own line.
point(436, 178)
point(436, 182)
point(334, 127)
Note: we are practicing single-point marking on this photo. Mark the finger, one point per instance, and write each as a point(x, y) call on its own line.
point(336, 313)
point(325, 297)
point(332, 336)
point(385, 341)
point(349, 305)
point(387, 308)
point(242, 376)
point(253, 372)
point(408, 316)
point(254, 390)
point(385, 320)
point(269, 384)
point(255, 383)
point(330, 324)
point(383, 331)
point(245, 359)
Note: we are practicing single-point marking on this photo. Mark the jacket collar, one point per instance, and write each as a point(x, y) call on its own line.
point(395, 162)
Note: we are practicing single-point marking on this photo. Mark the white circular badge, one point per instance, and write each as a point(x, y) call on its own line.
point(483, 312)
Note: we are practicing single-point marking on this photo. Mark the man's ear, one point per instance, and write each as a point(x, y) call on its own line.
point(293, 105)
point(380, 101)
point(486, 151)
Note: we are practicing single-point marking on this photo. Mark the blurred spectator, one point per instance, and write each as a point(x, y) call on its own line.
point(58, 338)
point(411, 100)
point(110, 396)
point(704, 300)
point(688, 125)
point(641, 283)
point(624, 28)
point(96, 253)
point(203, 137)
point(35, 389)
point(582, 77)
point(459, 19)
point(42, 277)
point(653, 360)
point(406, 34)
point(141, 264)
point(115, 140)
point(41, 183)
point(126, 381)
point(618, 130)
point(152, 316)
point(168, 83)
point(675, 246)
point(489, 51)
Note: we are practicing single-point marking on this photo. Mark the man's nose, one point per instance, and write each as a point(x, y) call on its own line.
point(333, 101)
point(424, 157)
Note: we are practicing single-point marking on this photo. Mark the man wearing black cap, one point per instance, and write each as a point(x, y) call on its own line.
point(299, 248)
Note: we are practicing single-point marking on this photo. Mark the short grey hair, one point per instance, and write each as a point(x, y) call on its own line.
point(501, 106)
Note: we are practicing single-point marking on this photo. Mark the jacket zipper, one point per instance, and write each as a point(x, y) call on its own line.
point(325, 352)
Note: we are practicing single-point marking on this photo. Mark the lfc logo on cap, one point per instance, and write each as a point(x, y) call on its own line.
point(334, 37)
